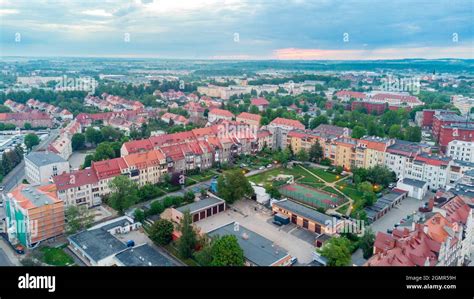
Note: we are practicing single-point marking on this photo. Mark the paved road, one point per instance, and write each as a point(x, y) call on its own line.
point(4, 261)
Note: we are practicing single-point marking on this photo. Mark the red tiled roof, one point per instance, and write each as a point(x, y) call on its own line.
point(351, 94)
point(109, 168)
point(79, 178)
point(259, 102)
point(250, 116)
point(221, 112)
point(287, 122)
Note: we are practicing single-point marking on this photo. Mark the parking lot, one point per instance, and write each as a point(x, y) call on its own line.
point(297, 241)
point(405, 208)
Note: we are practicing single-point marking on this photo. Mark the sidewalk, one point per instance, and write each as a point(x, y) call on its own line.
point(7, 250)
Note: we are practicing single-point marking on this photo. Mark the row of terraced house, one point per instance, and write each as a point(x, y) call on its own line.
point(147, 161)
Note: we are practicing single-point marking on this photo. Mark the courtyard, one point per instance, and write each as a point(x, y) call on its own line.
point(297, 241)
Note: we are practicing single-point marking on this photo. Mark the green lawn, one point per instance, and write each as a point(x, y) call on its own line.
point(202, 176)
point(331, 190)
point(266, 177)
point(325, 175)
point(56, 257)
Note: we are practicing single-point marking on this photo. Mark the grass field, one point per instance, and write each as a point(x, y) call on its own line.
point(325, 175)
point(310, 196)
point(267, 177)
point(56, 257)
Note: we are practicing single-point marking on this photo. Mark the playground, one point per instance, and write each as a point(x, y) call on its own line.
point(312, 197)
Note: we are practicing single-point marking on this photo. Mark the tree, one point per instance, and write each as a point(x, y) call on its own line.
point(31, 140)
point(226, 251)
point(358, 132)
point(124, 193)
point(254, 109)
point(77, 218)
point(302, 155)
point(232, 185)
point(104, 151)
point(187, 241)
point(78, 141)
point(337, 252)
point(27, 126)
point(110, 134)
point(161, 232)
point(93, 136)
point(139, 215)
point(367, 243)
point(395, 131)
point(316, 152)
point(315, 122)
point(413, 134)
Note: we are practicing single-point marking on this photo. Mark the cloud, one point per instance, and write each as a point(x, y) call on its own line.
point(4, 12)
point(205, 28)
point(97, 13)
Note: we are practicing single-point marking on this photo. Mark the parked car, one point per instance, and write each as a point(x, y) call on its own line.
point(261, 168)
point(269, 166)
point(391, 185)
point(293, 260)
point(277, 223)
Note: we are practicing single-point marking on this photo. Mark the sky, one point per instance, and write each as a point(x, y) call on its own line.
point(233, 29)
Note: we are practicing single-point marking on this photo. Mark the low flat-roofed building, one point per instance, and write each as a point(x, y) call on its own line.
point(96, 247)
point(200, 209)
point(415, 188)
point(385, 204)
point(258, 250)
point(304, 216)
point(142, 255)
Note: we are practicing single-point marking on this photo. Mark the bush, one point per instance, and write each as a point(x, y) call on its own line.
point(161, 232)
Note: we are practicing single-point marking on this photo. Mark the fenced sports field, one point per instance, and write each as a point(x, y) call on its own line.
point(311, 197)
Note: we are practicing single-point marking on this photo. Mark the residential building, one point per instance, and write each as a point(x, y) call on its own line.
point(175, 118)
point(400, 153)
point(464, 104)
point(249, 118)
point(444, 119)
point(33, 214)
point(40, 167)
point(62, 146)
point(436, 242)
point(461, 150)
point(260, 103)
point(279, 128)
point(459, 131)
point(36, 119)
point(371, 108)
point(78, 188)
point(218, 114)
